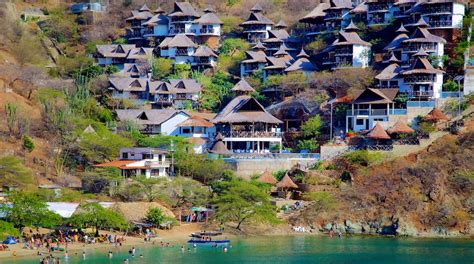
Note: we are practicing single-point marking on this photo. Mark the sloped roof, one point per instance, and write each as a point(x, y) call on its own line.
point(396, 42)
point(402, 29)
point(377, 132)
point(158, 19)
point(183, 9)
point(257, 19)
point(351, 27)
point(360, 9)
point(400, 127)
point(390, 72)
point(338, 4)
point(257, 8)
point(140, 15)
point(186, 85)
point(178, 41)
point(278, 62)
point(151, 117)
point(403, 2)
point(287, 183)
point(244, 109)
point(131, 69)
point(243, 86)
point(160, 87)
point(375, 96)
point(421, 23)
point(278, 34)
point(302, 54)
point(350, 38)
point(209, 18)
point(144, 8)
point(421, 65)
point(393, 59)
point(255, 56)
point(128, 84)
point(140, 53)
point(258, 46)
point(204, 51)
point(317, 12)
point(195, 121)
point(423, 35)
point(267, 177)
point(302, 64)
point(435, 115)
point(114, 50)
point(281, 24)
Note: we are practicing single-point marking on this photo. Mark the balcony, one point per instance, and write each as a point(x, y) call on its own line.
point(441, 23)
point(451, 94)
point(181, 52)
point(419, 79)
point(377, 21)
point(334, 15)
point(344, 52)
point(375, 112)
point(416, 48)
point(421, 94)
point(448, 9)
point(157, 164)
point(250, 134)
point(377, 8)
point(419, 104)
point(255, 28)
point(182, 20)
point(205, 31)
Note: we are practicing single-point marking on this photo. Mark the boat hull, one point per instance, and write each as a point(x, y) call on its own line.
point(209, 243)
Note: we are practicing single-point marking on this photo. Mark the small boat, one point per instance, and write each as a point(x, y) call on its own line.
point(207, 239)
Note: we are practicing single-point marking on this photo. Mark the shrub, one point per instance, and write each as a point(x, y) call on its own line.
point(155, 216)
point(307, 144)
point(7, 229)
point(363, 157)
point(27, 143)
point(161, 67)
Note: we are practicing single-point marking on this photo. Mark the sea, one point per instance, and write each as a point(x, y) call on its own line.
point(289, 249)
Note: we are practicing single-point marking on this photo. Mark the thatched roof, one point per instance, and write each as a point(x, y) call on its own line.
point(360, 9)
point(378, 132)
point(267, 177)
point(178, 41)
point(136, 211)
point(244, 109)
point(287, 183)
point(390, 72)
point(183, 9)
point(204, 51)
point(195, 121)
point(317, 12)
point(423, 35)
point(351, 27)
point(350, 38)
point(281, 24)
point(220, 148)
point(435, 115)
point(402, 29)
point(243, 87)
point(302, 64)
point(375, 96)
point(422, 66)
point(397, 41)
point(400, 127)
point(209, 18)
point(257, 18)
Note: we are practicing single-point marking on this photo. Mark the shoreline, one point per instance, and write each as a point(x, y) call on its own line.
point(179, 236)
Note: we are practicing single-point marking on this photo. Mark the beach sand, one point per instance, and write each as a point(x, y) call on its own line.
point(177, 235)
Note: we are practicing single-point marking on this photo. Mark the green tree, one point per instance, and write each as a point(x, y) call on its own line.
point(13, 172)
point(184, 192)
point(155, 216)
point(149, 187)
point(307, 144)
point(161, 67)
point(94, 215)
point(312, 127)
point(182, 71)
point(7, 229)
point(27, 210)
point(450, 86)
point(241, 202)
point(12, 117)
point(27, 143)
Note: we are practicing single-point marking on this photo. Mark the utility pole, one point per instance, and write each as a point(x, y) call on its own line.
point(172, 157)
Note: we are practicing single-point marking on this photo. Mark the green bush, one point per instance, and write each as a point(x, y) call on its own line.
point(7, 229)
point(363, 157)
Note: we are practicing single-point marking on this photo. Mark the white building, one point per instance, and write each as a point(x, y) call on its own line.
point(257, 26)
point(180, 48)
point(141, 162)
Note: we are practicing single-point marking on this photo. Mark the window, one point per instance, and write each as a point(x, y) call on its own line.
point(378, 120)
point(124, 155)
point(360, 122)
point(186, 130)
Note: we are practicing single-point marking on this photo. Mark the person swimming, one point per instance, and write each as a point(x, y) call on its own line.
point(110, 254)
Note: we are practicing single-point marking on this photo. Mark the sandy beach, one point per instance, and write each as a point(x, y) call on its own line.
point(177, 235)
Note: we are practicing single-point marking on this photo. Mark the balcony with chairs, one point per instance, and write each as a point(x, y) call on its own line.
point(425, 78)
point(251, 134)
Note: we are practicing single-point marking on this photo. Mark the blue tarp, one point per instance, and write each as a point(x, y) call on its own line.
point(9, 241)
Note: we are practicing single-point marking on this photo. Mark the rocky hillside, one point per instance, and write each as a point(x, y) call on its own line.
point(429, 193)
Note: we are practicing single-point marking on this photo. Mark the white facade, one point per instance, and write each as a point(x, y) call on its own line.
point(360, 56)
point(170, 126)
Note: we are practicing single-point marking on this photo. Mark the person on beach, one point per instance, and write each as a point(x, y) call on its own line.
point(110, 254)
point(83, 254)
point(125, 261)
point(182, 249)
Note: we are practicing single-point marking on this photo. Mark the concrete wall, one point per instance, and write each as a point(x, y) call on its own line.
point(248, 167)
point(331, 151)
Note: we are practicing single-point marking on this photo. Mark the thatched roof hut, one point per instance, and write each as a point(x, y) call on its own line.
point(267, 177)
point(400, 127)
point(435, 115)
point(287, 183)
point(378, 132)
point(136, 211)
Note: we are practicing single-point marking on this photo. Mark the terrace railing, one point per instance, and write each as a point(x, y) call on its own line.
point(376, 112)
point(371, 147)
point(441, 23)
point(250, 134)
point(430, 104)
point(451, 94)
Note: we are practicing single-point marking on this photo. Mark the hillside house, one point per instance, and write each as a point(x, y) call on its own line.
point(255, 60)
point(348, 50)
point(157, 27)
point(245, 124)
point(371, 106)
point(141, 162)
point(257, 25)
point(136, 30)
point(120, 54)
point(180, 48)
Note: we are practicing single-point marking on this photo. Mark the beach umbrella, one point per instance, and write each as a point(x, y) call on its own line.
point(267, 177)
point(378, 133)
point(435, 115)
point(287, 183)
point(400, 127)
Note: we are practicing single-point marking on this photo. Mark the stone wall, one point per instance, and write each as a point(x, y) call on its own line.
point(248, 167)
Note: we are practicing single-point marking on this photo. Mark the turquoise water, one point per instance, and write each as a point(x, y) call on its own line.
point(297, 249)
